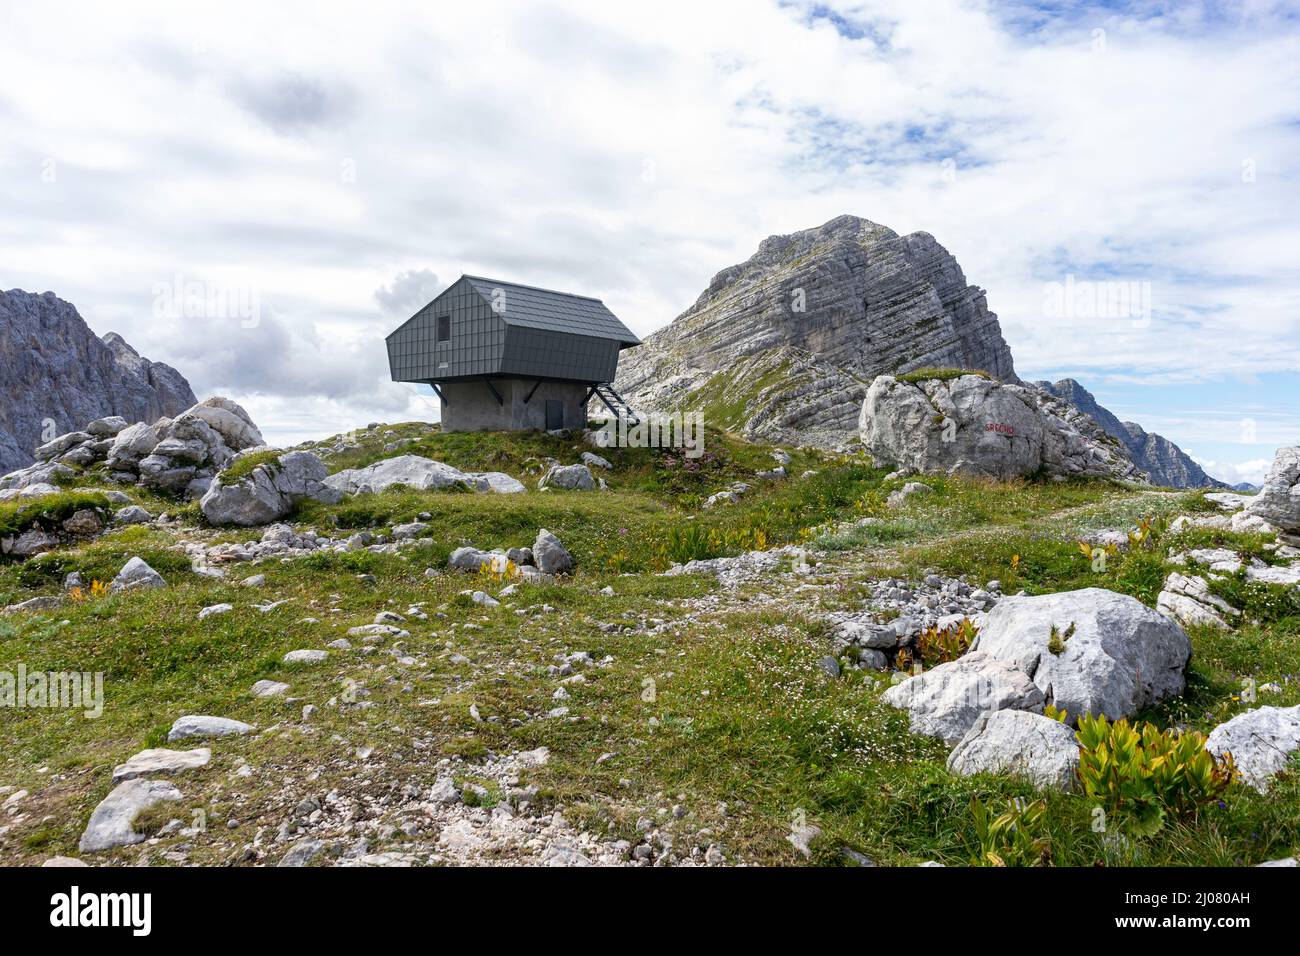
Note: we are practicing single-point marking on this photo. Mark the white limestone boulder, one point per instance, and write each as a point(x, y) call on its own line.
point(161, 760)
point(110, 823)
point(136, 575)
point(947, 700)
point(568, 477)
point(1043, 750)
point(549, 555)
point(196, 726)
point(421, 474)
point(1262, 742)
point(1121, 657)
point(269, 492)
point(973, 425)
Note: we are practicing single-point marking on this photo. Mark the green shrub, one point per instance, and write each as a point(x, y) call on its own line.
point(935, 646)
point(1143, 774)
point(1008, 838)
point(690, 542)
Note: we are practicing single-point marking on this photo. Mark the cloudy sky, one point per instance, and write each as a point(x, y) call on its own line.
point(318, 171)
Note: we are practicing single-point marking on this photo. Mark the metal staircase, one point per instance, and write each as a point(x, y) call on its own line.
point(615, 402)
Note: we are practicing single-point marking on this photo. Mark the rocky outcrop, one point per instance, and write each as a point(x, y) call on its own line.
point(1187, 600)
point(174, 455)
point(1278, 501)
point(269, 492)
point(57, 370)
point(976, 426)
point(783, 346)
point(1163, 462)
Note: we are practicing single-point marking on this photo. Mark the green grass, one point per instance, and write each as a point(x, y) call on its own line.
point(939, 374)
point(47, 511)
point(740, 714)
point(245, 465)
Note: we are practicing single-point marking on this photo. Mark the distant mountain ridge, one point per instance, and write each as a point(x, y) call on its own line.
point(1165, 462)
point(58, 375)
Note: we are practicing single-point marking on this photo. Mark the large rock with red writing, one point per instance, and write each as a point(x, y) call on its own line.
point(970, 424)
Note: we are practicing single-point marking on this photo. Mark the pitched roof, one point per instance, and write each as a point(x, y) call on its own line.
point(529, 306)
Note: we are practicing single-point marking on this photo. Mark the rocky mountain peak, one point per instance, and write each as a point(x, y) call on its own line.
point(783, 345)
point(59, 373)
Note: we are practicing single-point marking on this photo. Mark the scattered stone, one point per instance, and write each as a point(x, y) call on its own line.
point(568, 477)
point(550, 555)
point(110, 823)
point(269, 688)
point(302, 853)
point(132, 514)
point(160, 760)
point(305, 656)
point(136, 574)
point(47, 602)
point(212, 609)
point(84, 521)
point(910, 490)
point(197, 726)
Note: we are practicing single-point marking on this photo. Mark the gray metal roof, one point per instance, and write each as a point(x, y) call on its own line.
point(528, 306)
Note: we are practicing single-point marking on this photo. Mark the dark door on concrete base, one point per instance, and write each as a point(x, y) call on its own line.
point(554, 414)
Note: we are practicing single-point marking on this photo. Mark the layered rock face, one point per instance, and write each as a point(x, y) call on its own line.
point(974, 426)
point(57, 369)
point(1163, 461)
point(783, 346)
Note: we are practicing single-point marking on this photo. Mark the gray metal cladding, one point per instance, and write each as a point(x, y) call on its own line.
point(525, 306)
point(501, 328)
point(536, 353)
point(478, 338)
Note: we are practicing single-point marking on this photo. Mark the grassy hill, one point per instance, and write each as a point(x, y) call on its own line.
point(703, 727)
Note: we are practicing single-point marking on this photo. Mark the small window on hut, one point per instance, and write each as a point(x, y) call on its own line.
point(444, 328)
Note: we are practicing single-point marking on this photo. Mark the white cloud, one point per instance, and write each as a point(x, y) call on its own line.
point(1252, 471)
point(317, 153)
